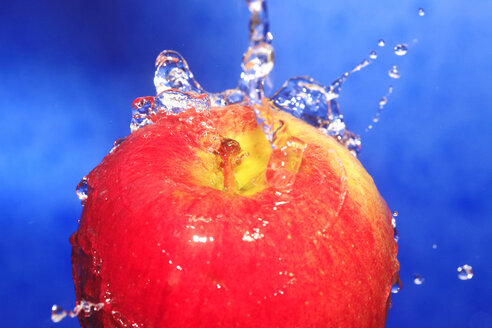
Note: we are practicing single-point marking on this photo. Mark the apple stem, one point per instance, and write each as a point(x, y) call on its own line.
point(229, 152)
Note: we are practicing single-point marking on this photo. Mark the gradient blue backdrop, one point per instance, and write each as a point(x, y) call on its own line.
point(69, 70)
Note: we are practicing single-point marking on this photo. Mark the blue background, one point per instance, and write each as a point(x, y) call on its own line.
point(69, 70)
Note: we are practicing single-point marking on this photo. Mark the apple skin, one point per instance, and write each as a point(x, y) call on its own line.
point(161, 248)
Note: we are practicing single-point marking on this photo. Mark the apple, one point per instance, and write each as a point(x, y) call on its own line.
point(181, 228)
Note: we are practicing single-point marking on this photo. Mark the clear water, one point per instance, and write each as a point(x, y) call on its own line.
point(303, 97)
point(84, 307)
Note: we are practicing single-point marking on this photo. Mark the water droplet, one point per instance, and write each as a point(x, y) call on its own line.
point(382, 102)
point(373, 54)
point(394, 73)
point(116, 144)
point(400, 49)
point(381, 43)
point(82, 190)
point(465, 272)
point(418, 279)
point(396, 284)
point(421, 12)
point(57, 313)
point(396, 235)
point(434, 246)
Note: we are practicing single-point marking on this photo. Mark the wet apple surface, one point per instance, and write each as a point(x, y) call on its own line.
point(182, 229)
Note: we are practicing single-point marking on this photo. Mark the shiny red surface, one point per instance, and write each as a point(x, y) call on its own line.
point(162, 251)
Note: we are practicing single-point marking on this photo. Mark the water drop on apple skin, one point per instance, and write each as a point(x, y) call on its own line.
point(396, 285)
point(82, 189)
point(116, 144)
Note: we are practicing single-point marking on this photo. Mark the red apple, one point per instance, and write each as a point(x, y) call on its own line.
point(181, 229)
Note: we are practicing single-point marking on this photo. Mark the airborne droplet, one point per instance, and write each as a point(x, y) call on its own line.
point(57, 313)
point(418, 279)
point(401, 49)
point(394, 73)
point(381, 43)
point(465, 272)
point(421, 12)
point(373, 54)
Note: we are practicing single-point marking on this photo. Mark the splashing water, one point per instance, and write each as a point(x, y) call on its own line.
point(85, 307)
point(177, 90)
point(382, 103)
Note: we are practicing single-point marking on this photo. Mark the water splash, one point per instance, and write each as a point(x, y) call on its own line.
point(465, 272)
point(172, 72)
point(257, 64)
point(382, 103)
point(85, 307)
point(143, 109)
point(177, 90)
